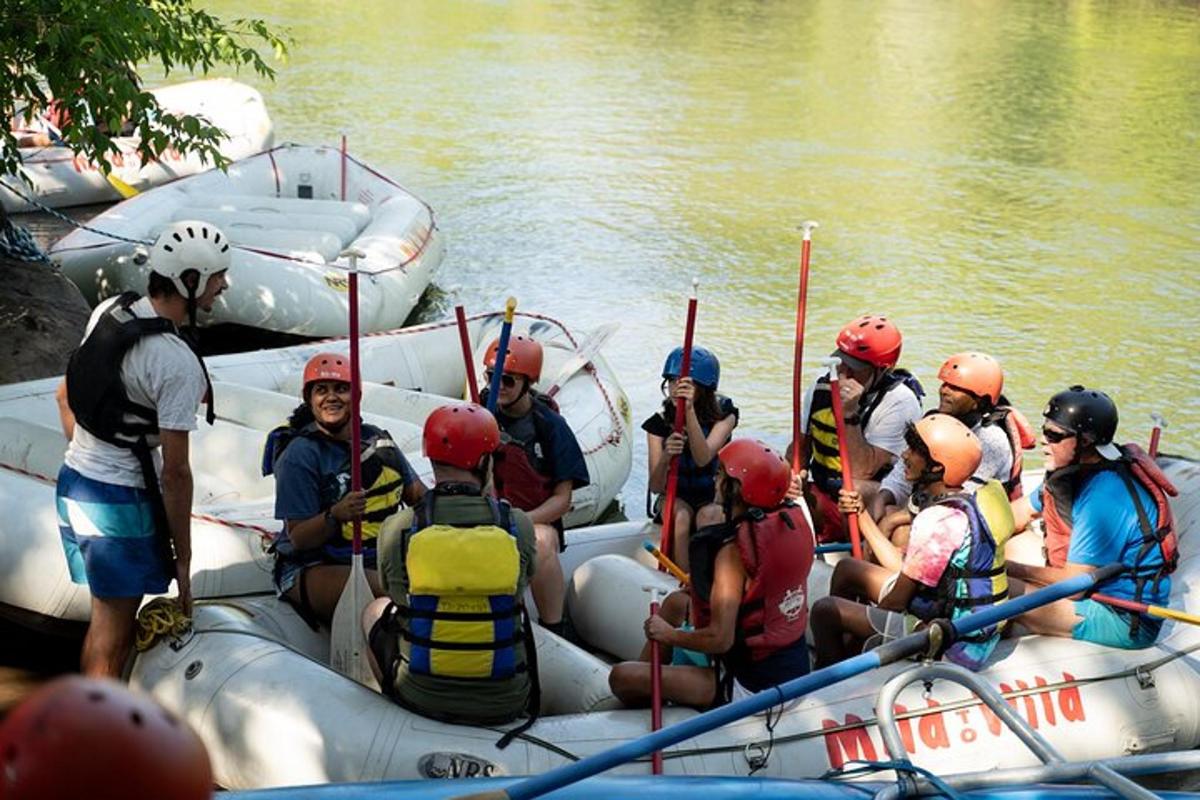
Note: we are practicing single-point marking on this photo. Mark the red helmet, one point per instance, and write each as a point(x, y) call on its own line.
point(976, 373)
point(117, 744)
point(524, 357)
point(326, 367)
point(460, 435)
point(765, 476)
point(951, 444)
point(873, 339)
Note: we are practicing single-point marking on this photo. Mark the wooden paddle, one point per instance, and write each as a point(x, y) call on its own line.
point(493, 400)
point(839, 419)
point(668, 511)
point(347, 642)
point(464, 338)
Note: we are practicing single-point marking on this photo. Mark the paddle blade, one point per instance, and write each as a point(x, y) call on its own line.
point(587, 351)
point(124, 189)
point(347, 642)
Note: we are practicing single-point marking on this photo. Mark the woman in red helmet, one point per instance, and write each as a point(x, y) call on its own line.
point(878, 400)
point(451, 640)
point(748, 594)
point(953, 565)
point(310, 459)
point(537, 466)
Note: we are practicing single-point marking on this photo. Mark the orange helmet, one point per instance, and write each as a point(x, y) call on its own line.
point(524, 357)
point(119, 744)
point(460, 435)
point(765, 476)
point(976, 373)
point(326, 367)
point(951, 444)
point(873, 339)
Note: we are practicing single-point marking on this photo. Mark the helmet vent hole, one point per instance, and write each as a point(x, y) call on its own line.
point(191, 233)
point(136, 718)
point(168, 248)
point(204, 232)
point(177, 237)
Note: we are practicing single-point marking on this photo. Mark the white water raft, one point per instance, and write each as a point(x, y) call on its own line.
point(406, 374)
point(1088, 701)
point(58, 178)
point(284, 212)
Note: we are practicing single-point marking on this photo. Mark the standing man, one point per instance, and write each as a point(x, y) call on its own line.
point(134, 386)
point(538, 464)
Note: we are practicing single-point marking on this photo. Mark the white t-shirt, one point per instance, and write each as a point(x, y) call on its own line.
point(885, 428)
point(996, 463)
point(160, 372)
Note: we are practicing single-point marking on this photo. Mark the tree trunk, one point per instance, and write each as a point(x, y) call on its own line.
point(42, 319)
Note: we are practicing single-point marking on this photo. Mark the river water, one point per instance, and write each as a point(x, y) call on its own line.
point(1019, 178)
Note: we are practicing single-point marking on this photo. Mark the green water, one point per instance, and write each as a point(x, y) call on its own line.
point(1021, 178)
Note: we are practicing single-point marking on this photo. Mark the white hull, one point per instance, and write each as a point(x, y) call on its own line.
point(283, 212)
point(1087, 701)
point(406, 375)
point(60, 179)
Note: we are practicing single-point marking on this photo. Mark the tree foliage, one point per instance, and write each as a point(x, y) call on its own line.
point(84, 54)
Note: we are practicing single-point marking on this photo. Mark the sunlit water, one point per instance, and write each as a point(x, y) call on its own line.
point(1020, 178)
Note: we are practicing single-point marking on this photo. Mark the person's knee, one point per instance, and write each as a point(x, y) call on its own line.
point(625, 680)
point(711, 514)
point(547, 542)
point(373, 612)
point(825, 614)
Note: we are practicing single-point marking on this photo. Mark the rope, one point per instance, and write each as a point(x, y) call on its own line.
point(161, 617)
point(72, 222)
point(17, 244)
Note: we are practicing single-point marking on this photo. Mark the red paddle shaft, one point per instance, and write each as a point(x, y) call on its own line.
point(1159, 424)
point(839, 419)
point(460, 315)
point(656, 762)
point(355, 402)
point(668, 514)
point(798, 351)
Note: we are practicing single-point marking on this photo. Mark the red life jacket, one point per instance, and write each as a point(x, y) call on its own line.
point(518, 468)
point(1021, 436)
point(776, 549)
point(1059, 494)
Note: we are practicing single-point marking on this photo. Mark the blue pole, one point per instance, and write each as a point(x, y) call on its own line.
point(834, 547)
point(538, 785)
point(501, 355)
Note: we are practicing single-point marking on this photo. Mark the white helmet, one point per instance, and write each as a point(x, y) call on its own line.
point(190, 245)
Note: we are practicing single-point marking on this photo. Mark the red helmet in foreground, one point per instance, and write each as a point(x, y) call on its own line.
point(460, 435)
point(764, 475)
point(82, 737)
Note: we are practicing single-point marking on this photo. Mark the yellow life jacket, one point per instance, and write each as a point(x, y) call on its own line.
point(462, 612)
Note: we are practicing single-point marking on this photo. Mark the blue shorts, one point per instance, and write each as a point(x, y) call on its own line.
point(1110, 626)
point(109, 538)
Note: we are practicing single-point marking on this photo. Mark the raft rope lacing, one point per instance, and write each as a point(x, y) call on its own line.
point(17, 244)
point(402, 266)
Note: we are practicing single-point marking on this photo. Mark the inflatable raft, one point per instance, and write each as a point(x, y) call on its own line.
point(406, 374)
point(290, 212)
point(58, 178)
point(1086, 700)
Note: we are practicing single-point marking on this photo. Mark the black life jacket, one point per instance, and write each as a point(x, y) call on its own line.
point(1020, 437)
point(1135, 467)
point(825, 462)
point(97, 396)
point(522, 469)
point(694, 479)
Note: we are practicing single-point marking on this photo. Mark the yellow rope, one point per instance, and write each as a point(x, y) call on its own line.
point(162, 616)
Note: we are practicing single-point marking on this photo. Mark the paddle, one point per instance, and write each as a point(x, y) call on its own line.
point(1159, 424)
point(460, 316)
point(807, 227)
point(124, 189)
point(1145, 608)
point(667, 564)
point(666, 542)
point(583, 356)
point(501, 354)
point(347, 643)
point(839, 420)
point(918, 643)
point(656, 701)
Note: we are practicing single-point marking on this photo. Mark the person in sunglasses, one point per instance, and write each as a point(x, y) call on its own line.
point(537, 466)
point(1100, 503)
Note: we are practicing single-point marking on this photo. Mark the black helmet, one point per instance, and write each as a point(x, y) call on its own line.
point(1088, 413)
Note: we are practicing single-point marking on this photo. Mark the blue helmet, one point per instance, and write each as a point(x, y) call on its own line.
point(705, 369)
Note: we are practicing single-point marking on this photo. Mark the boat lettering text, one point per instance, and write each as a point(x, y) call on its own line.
point(456, 765)
point(1039, 704)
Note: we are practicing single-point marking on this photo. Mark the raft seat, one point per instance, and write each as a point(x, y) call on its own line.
point(344, 229)
point(357, 213)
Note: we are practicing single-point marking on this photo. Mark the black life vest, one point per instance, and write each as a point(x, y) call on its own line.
point(522, 468)
point(1135, 467)
point(383, 471)
point(825, 462)
point(97, 396)
point(776, 549)
point(1020, 437)
point(693, 479)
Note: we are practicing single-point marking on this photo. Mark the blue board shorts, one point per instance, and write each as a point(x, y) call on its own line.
point(1109, 626)
point(109, 537)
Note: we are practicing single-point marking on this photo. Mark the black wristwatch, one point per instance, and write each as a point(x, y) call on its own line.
point(852, 419)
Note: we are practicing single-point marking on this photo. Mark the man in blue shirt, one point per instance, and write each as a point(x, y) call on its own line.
point(1097, 510)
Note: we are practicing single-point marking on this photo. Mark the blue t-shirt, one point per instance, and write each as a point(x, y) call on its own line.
point(561, 458)
point(1105, 529)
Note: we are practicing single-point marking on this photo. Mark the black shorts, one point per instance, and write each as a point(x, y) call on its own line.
point(384, 644)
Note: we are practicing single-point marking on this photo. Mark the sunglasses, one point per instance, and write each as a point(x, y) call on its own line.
point(507, 381)
point(1054, 437)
